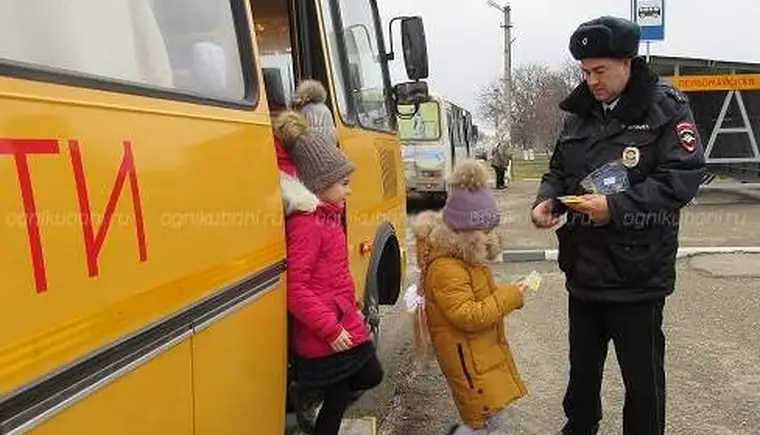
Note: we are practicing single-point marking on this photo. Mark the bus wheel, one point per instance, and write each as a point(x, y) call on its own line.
point(383, 278)
point(439, 199)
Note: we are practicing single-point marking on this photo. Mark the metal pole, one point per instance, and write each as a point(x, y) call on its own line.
point(648, 47)
point(633, 11)
point(508, 73)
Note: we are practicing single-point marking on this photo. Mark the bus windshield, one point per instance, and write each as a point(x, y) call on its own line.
point(424, 125)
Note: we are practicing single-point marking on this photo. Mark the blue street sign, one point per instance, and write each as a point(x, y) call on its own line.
point(650, 16)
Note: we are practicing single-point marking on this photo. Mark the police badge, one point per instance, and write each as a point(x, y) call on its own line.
point(631, 157)
point(687, 136)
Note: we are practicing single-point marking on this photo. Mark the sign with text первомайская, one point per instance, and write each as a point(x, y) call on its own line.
point(650, 16)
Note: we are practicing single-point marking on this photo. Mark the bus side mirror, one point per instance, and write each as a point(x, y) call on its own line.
point(414, 92)
point(410, 93)
point(415, 48)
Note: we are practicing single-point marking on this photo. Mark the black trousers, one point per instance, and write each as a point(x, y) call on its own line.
point(500, 173)
point(338, 396)
point(636, 331)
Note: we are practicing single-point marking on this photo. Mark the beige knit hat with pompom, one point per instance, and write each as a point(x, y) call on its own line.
point(310, 101)
point(289, 126)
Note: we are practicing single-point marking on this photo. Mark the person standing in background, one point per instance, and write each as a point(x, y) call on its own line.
point(500, 160)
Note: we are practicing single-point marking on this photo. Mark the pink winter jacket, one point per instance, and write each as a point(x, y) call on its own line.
point(321, 294)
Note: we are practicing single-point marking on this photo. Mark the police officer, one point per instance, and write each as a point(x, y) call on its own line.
point(618, 250)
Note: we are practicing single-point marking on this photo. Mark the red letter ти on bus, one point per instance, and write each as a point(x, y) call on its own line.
point(94, 243)
point(20, 148)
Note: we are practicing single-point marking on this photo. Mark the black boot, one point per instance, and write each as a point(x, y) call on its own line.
point(452, 429)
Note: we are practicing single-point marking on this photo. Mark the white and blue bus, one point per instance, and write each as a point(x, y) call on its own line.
point(434, 136)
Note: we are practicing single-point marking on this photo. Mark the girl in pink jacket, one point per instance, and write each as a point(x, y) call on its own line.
point(332, 347)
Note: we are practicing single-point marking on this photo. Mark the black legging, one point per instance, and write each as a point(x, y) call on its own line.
point(337, 396)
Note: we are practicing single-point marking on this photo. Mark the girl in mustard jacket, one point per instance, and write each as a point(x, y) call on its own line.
point(465, 308)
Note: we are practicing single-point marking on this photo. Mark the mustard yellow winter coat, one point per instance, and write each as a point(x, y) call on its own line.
point(465, 311)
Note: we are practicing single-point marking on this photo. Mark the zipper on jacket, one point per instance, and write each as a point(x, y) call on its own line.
point(464, 366)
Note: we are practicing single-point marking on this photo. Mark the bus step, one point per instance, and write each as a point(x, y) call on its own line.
point(359, 426)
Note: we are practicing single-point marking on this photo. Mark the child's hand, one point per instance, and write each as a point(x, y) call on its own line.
point(343, 342)
point(530, 282)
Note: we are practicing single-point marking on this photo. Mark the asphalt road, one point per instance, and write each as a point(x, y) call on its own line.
point(713, 358)
point(712, 326)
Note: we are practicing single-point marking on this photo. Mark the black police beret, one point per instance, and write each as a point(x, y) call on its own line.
point(606, 37)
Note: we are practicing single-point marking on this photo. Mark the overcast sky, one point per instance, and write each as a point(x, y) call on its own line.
point(465, 41)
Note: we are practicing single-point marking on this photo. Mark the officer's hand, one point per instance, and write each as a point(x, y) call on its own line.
point(595, 206)
point(542, 215)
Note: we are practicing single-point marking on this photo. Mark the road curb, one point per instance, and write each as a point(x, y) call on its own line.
point(359, 426)
point(747, 192)
point(533, 255)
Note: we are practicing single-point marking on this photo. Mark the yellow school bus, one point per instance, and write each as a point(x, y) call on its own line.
point(143, 249)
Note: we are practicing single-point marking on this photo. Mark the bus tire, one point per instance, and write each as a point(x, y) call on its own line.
point(383, 284)
point(440, 198)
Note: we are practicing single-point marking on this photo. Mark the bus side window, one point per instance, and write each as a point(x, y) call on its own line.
point(457, 127)
point(452, 128)
point(115, 39)
point(203, 48)
point(189, 46)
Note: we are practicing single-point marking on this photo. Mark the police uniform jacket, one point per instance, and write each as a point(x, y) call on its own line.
point(651, 131)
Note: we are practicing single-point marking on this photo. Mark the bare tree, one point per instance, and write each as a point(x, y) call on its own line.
point(490, 103)
point(570, 73)
point(537, 90)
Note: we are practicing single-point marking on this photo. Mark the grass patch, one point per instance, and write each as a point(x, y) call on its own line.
point(529, 169)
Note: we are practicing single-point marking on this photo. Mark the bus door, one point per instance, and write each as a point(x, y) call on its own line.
point(340, 44)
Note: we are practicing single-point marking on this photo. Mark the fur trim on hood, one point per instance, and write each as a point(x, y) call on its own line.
point(289, 126)
point(435, 239)
point(309, 92)
point(295, 196)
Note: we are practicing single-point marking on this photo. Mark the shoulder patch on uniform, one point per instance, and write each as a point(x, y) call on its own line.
point(687, 136)
point(676, 95)
point(670, 105)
